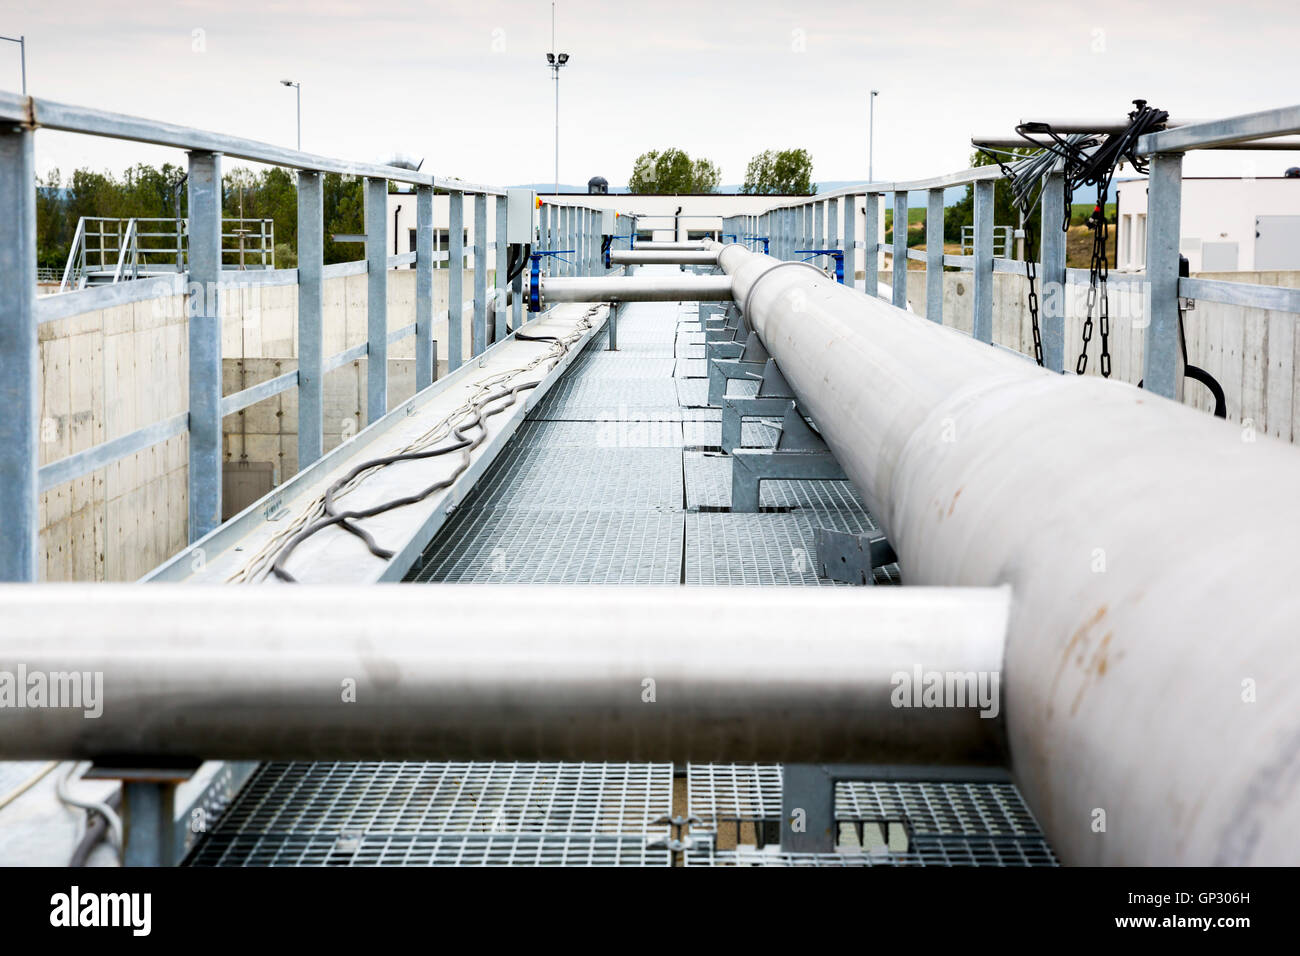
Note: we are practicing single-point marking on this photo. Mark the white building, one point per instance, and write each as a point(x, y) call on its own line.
point(1228, 224)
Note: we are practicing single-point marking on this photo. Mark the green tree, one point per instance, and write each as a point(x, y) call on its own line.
point(144, 191)
point(1005, 213)
point(786, 172)
point(672, 171)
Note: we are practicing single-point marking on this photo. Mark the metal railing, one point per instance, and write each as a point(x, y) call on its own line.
point(105, 249)
point(816, 223)
point(203, 283)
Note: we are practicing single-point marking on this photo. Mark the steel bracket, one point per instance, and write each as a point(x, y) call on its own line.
point(721, 370)
point(736, 410)
point(851, 557)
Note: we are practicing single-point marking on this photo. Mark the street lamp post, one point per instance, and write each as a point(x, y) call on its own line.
point(871, 140)
point(298, 91)
point(22, 55)
point(556, 60)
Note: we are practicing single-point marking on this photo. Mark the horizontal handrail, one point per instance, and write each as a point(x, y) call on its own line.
point(33, 112)
point(1234, 130)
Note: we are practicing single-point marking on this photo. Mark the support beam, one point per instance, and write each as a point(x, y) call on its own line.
point(426, 359)
point(982, 278)
point(19, 358)
point(934, 256)
point(850, 241)
point(478, 332)
point(204, 304)
point(455, 280)
point(1051, 272)
point(1160, 358)
point(499, 294)
point(311, 295)
point(900, 250)
point(376, 211)
point(871, 240)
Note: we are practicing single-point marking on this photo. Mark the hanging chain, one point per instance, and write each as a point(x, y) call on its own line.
point(1031, 273)
point(1098, 300)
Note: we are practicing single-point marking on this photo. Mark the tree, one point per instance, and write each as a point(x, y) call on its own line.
point(672, 171)
point(1005, 213)
point(784, 172)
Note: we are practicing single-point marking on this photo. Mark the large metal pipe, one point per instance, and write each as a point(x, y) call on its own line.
point(1152, 679)
point(465, 672)
point(670, 288)
point(646, 257)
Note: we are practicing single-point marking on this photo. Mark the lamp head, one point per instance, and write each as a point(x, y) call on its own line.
point(550, 58)
point(564, 58)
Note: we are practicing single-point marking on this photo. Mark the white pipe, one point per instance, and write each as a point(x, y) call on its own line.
point(671, 288)
point(1152, 678)
point(517, 673)
point(653, 246)
point(641, 256)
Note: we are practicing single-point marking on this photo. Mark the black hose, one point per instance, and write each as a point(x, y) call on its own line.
point(1209, 381)
point(95, 831)
point(344, 519)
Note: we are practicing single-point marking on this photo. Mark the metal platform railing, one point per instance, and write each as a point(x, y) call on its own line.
point(818, 223)
point(106, 250)
point(205, 282)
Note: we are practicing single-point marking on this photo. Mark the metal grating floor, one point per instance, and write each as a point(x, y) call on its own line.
point(610, 482)
point(378, 814)
point(942, 824)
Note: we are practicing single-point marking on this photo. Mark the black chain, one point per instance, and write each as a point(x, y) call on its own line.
point(1098, 300)
point(1031, 273)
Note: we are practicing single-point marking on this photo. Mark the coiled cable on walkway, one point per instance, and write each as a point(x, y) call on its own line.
point(322, 512)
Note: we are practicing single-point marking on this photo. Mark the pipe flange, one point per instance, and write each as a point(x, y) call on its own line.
point(807, 265)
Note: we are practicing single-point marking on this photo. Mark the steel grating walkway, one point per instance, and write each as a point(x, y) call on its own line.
point(617, 478)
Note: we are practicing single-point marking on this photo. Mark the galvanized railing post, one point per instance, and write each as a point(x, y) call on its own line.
point(566, 241)
point(376, 212)
point(425, 360)
point(1162, 351)
point(832, 225)
point(499, 291)
point(819, 226)
point(871, 243)
point(205, 343)
point(479, 331)
point(589, 243)
point(900, 249)
point(934, 255)
point(982, 325)
point(455, 280)
point(1051, 273)
point(311, 287)
point(850, 242)
point(19, 357)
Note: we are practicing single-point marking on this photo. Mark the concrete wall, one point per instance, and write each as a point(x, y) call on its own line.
point(1251, 352)
point(106, 373)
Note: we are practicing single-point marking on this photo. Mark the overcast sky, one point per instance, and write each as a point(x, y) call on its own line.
point(465, 84)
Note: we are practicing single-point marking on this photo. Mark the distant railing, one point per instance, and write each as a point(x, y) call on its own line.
point(203, 282)
point(106, 249)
